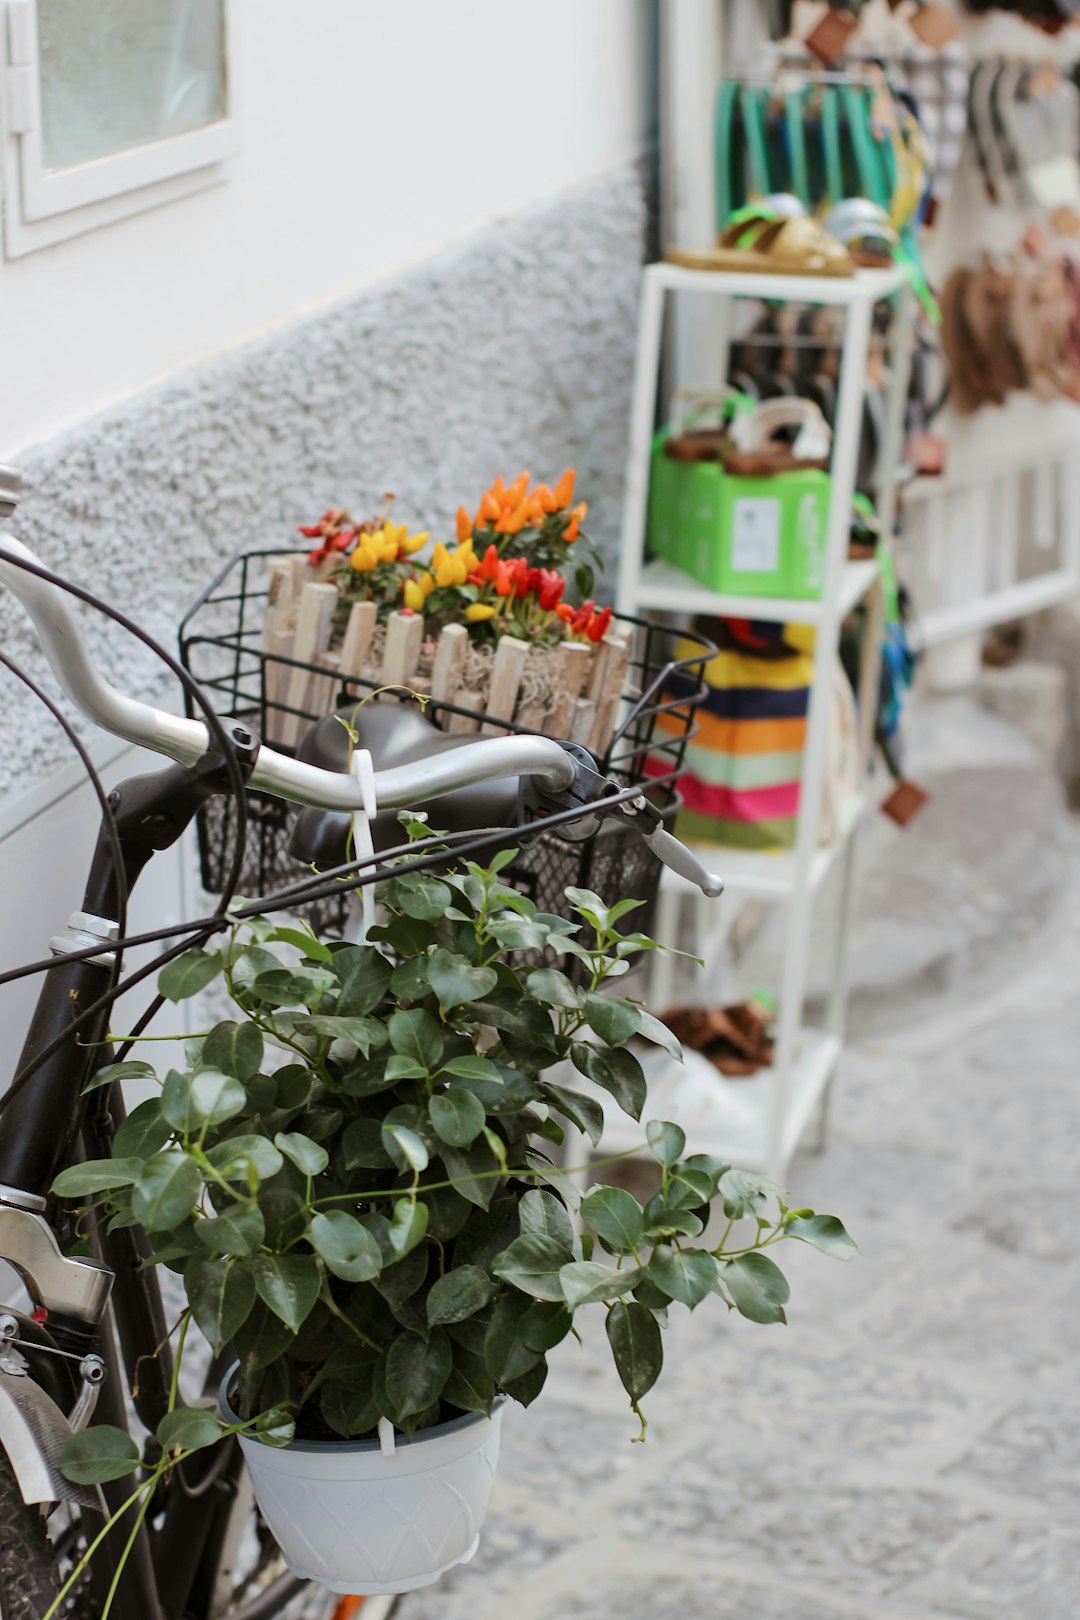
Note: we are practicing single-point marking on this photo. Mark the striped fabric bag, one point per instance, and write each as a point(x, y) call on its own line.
point(741, 785)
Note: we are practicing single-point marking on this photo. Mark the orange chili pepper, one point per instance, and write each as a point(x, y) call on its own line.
point(565, 612)
point(464, 524)
point(564, 489)
point(572, 531)
point(544, 496)
point(490, 510)
point(516, 490)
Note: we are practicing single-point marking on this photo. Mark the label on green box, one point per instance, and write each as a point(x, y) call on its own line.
point(755, 536)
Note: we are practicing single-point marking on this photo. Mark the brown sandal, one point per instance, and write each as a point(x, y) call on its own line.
point(735, 1038)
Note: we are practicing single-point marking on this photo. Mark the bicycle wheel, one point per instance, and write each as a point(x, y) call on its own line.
point(31, 1562)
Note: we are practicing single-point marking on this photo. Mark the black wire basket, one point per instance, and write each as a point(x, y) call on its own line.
point(222, 645)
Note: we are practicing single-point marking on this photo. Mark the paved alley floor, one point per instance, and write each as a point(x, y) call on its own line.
point(908, 1447)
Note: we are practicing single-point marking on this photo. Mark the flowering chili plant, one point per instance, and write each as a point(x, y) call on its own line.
point(369, 561)
point(540, 525)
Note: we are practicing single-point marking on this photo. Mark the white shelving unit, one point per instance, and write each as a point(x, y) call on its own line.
point(758, 1122)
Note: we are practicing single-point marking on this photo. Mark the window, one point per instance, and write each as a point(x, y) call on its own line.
point(111, 106)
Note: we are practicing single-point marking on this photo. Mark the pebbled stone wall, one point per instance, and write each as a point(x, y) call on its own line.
point(514, 348)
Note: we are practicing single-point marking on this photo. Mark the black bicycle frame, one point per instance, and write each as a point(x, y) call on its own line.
point(173, 1565)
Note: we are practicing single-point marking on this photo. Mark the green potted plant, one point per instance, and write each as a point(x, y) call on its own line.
point(354, 1178)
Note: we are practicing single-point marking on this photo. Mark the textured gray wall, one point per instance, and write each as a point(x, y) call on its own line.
point(514, 349)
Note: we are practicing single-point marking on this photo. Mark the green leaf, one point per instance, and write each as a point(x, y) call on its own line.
point(415, 1372)
point(526, 1388)
point(235, 1049)
point(239, 1157)
point(545, 1324)
point(542, 1214)
point(745, 1192)
point(415, 1034)
point(143, 1133)
point(823, 1232)
point(131, 1070)
point(189, 974)
point(758, 1287)
point(472, 1066)
point(221, 1294)
point(98, 1454)
point(532, 1264)
point(455, 981)
point(362, 1145)
point(470, 1387)
point(457, 1116)
point(651, 1029)
point(459, 1294)
point(189, 1428)
point(238, 1230)
point(289, 1284)
point(277, 1427)
point(422, 897)
point(96, 1175)
point(666, 1141)
point(407, 1226)
point(405, 1148)
point(372, 1075)
point(615, 1217)
point(348, 1249)
point(307, 943)
point(583, 1282)
point(195, 1102)
point(506, 1354)
point(683, 1274)
point(584, 1112)
point(365, 978)
point(553, 988)
point(614, 1021)
point(617, 1071)
point(473, 1171)
point(517, 933)
point(363, 1033)
point(634, 1336)
point(589, 905)
point(167, 1190)
point(516, 1019)
point(309, 1158)
point(408, 982)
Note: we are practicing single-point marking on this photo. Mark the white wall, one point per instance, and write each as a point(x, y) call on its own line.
point(375, 132)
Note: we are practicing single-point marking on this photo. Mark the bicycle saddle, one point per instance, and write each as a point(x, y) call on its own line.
point(394, 735)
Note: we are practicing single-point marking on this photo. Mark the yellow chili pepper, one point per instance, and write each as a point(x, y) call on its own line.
point(479, 611)
point(414, 596)
point(364, 557)
point(413, 542)
point(439, 556)
point(427, 584)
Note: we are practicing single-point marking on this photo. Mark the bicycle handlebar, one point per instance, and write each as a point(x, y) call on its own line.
point(187, 740)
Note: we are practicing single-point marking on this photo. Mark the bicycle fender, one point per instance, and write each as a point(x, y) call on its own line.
point(32, 1432)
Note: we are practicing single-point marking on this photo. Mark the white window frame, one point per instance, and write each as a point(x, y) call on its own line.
point(43, 206)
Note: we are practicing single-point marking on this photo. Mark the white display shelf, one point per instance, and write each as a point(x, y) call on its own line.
point(864, 287)
point(731, 1119)
point(663, 588)
point(765, 875)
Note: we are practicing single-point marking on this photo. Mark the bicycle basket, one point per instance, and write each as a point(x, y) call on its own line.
point(222, 644)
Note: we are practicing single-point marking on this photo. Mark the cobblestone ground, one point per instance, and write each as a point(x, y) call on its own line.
point(907, 1448)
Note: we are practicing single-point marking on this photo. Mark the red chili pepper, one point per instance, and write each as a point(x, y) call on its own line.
point(519, 573)
point(536, 578)
point(552, 586)
point(597, 627)
point(582, 616)
point(342, 540)
point(504, 582)
point(311, 531)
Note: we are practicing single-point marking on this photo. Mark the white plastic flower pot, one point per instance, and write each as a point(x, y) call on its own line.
point(375, 1516)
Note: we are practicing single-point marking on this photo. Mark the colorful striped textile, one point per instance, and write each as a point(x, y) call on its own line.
point(742, 778)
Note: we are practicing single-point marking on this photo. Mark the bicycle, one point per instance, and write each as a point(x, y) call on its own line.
point(98, 1326)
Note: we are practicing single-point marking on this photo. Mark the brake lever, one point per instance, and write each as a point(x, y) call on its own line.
point(590, 788)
